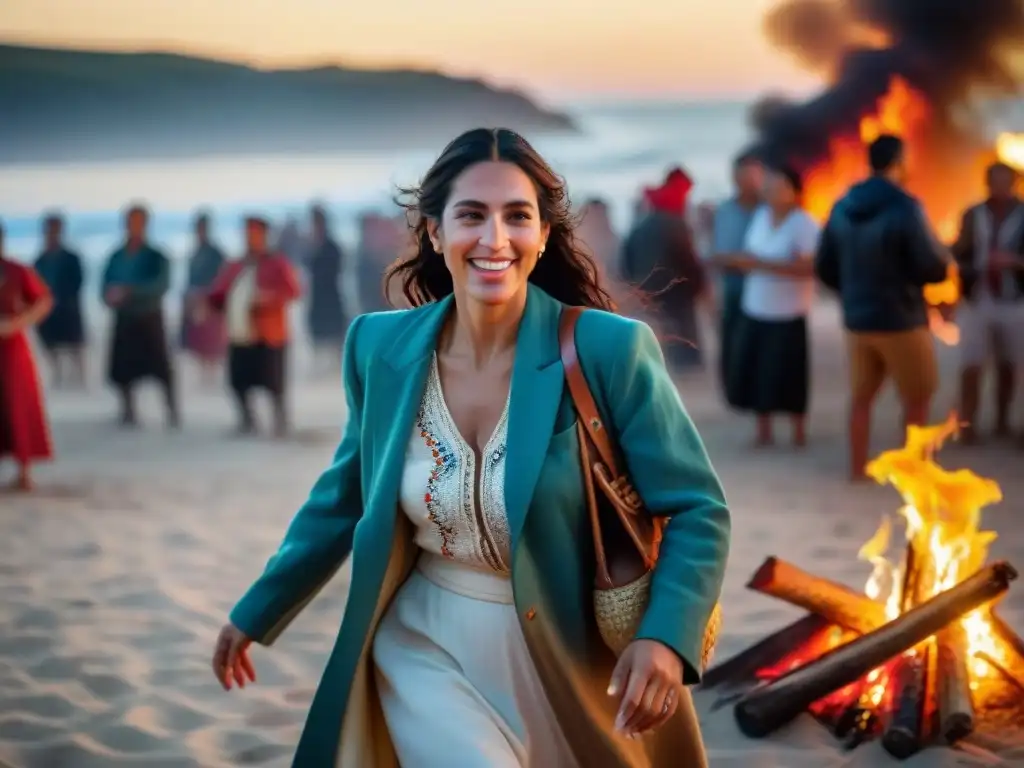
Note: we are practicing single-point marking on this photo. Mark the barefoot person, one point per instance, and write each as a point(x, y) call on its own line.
point(469, 637)
point(254, 293)
point(136, 278)
point(990, 255)
point(769, 366)
point(24, 302)
point(63, 331)
point(878, 252)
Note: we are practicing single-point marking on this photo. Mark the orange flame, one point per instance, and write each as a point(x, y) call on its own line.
point(942, 517)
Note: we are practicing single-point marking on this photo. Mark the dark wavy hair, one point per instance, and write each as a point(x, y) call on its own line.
point(566, 272)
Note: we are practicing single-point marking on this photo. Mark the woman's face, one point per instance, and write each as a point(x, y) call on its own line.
point(779, 191)
point(490, 232)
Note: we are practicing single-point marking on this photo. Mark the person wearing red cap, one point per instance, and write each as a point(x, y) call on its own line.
point(659, 258)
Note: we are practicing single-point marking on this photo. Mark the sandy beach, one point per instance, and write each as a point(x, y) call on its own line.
point(116, 575)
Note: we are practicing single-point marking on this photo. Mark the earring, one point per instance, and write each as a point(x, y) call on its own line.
point(540, 253)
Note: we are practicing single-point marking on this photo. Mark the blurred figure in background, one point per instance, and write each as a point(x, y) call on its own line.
point(878, 252)
point(62, 332)
point(380, 241)
point(659, 257)
point(254, 293)
point(729, 234)
point(135, 280)
point(24, 435)
point(202, 332)
point(769, 366)
point(595, 231)
point(326, 316)
point(595, 234)
point(990, 255)
point(290, 242)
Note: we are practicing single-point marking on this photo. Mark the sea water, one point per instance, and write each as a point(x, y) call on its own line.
point(620, 149)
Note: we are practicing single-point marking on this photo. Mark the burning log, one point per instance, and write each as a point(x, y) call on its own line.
point(905, 733)
point(953, 688)
point(834, 602)
point(858, 722)
point(770, 706)
point(743, 666)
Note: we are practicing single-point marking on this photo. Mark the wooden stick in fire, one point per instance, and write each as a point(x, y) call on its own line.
point(955, 704)
point(904, 733)
point(773, 704)
point(834, 602)
point(859, 721)
point(743, 667)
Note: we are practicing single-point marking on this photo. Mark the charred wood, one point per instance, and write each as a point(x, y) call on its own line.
point(953, 685)
point(905, 733)
point(770, 706)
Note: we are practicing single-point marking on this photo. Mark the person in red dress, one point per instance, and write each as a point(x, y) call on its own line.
point(24, 434)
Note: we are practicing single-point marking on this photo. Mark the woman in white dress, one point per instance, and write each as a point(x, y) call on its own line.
point(469, 638)
point(769, 365)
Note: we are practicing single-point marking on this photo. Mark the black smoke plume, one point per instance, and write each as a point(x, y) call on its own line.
point(944, 49)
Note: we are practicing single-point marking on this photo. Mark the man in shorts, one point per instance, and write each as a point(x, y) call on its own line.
point(878, 252)
point(990, 254)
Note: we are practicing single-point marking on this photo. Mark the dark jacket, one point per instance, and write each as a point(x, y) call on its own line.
point(975, 234)
point(878, 252)
point(659, 256)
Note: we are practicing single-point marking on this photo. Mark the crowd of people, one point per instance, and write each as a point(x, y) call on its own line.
point(877, 252)
point(753, 261)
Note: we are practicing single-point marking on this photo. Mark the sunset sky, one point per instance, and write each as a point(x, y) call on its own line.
point(555, 48)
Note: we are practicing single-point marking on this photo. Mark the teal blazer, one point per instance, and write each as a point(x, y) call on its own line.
point(353, 510)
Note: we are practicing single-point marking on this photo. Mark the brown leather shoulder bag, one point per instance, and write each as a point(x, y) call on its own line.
point(624, 564)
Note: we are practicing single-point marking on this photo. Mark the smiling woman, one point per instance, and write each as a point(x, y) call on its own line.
point(470, 636)
point(491, 193)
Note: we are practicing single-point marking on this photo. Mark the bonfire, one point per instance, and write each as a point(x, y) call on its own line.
point(920, 656)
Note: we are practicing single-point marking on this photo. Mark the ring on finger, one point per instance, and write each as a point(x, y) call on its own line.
point(669, 698)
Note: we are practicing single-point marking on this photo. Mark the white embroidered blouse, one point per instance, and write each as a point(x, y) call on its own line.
point(453, 518)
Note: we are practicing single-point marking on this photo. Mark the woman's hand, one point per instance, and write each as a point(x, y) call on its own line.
point(231, 658)
point(649, 679)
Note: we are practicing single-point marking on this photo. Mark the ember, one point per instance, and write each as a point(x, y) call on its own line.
point(920, 657)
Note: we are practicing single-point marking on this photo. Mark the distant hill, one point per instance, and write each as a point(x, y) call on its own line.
point(62, 105)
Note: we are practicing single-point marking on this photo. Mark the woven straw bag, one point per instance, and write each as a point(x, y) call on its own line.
point(625, 564)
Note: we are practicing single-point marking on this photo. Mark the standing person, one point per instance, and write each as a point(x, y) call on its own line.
point(729, 235)
point(135, 281)
point(62, 332)
point(990, 257)
point(202, 332)
point(24, 435)
point(598, 237)
point(290, 241)
point(470, 637)
point(254, 294)
point(659, 257)
point(376, 249)
point(769, 365)
point(878, 252)
point(326, 312)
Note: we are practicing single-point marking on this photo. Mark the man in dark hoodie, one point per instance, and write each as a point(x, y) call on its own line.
point(878, 252)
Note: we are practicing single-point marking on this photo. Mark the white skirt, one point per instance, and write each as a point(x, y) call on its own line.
point(455, 678)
